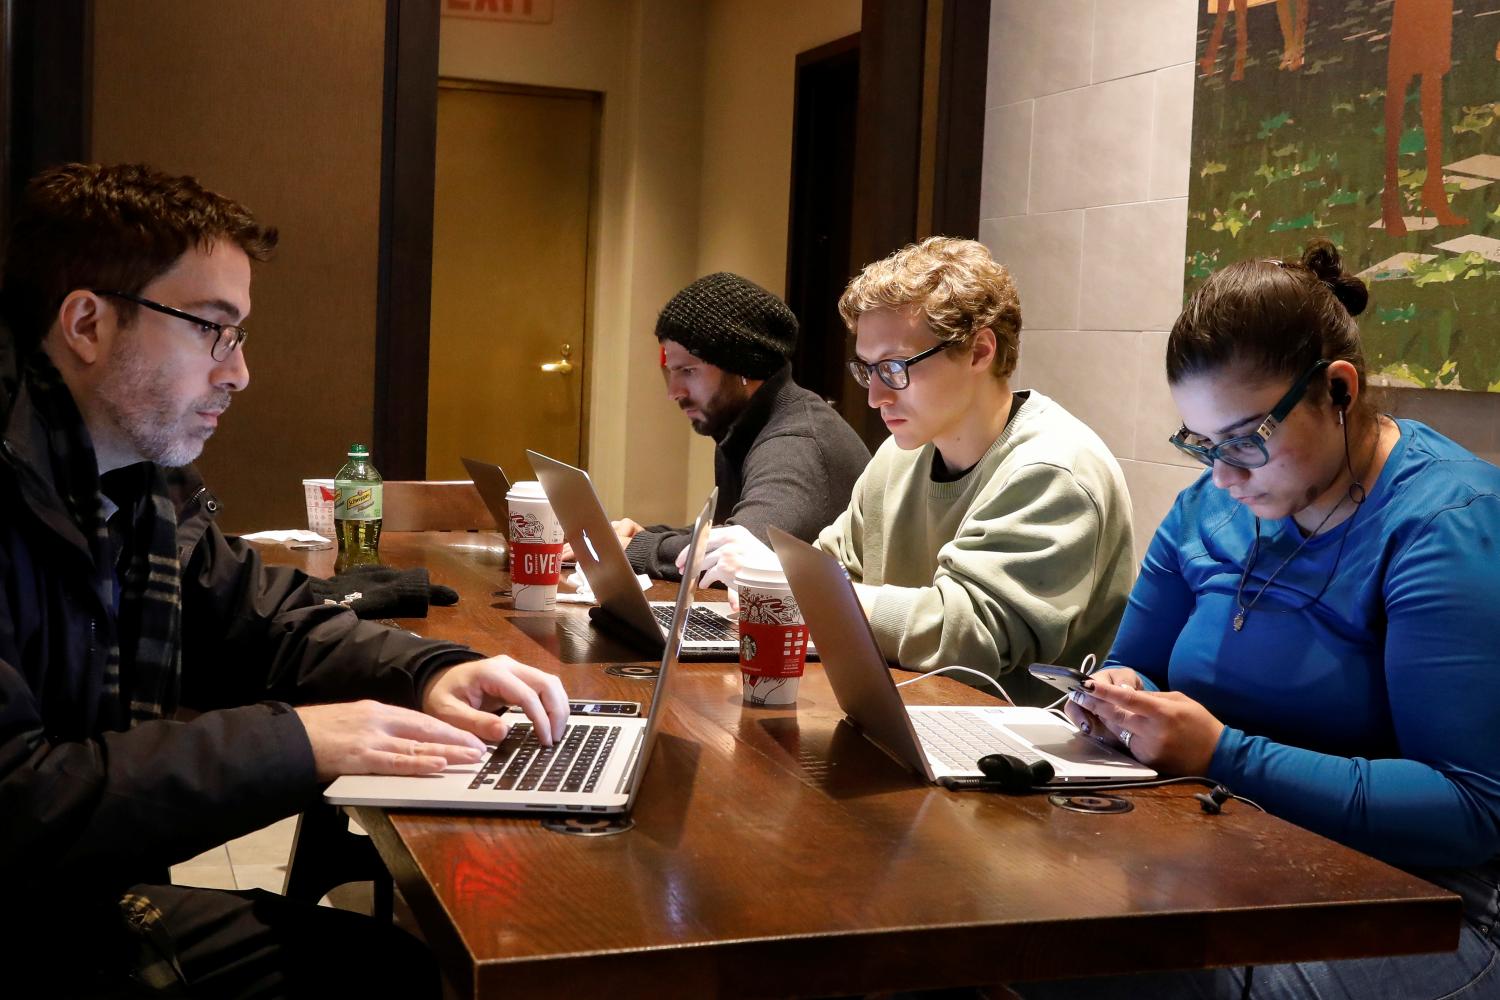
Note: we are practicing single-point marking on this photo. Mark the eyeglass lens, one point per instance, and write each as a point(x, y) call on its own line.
point(891, 371)
point(228, 340)
point(1246, 452)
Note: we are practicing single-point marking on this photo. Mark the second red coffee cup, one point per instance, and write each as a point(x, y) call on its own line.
point(773, 637)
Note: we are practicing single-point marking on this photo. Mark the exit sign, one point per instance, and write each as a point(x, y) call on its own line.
point(533, 11)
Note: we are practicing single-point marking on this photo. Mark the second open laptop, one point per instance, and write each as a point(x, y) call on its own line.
point(936, 741)
point(596, 767)
point(493, 485)
point(712, 630)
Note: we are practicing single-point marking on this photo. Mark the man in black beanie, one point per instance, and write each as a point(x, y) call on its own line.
point(784, 456)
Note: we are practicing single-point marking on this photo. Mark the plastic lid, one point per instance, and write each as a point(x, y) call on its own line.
point(358, 451)
point(760, 571)
point(526, 489)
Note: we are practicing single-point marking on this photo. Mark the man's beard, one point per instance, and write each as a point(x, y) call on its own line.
point(137, 399)
point(721, 410)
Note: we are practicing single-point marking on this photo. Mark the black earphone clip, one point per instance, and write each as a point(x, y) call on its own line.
point(1212, 801)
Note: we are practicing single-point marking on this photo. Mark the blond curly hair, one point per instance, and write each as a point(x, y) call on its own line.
point(954, 285)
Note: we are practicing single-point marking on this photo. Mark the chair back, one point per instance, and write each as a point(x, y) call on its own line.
point(432, 505)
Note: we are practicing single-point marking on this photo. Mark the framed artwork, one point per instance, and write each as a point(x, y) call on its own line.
point(1375, 125)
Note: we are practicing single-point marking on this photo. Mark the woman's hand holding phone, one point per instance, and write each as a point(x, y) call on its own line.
point(1089, 723)
point(1166, 729)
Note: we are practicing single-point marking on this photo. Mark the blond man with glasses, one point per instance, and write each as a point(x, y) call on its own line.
point(992, 529)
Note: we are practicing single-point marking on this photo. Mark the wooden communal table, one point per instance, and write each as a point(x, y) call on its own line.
point(775, 852)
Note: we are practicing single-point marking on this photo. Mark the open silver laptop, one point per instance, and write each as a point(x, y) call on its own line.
point(596, 767)
point(712, 630)
point(493, 485)
point(936, 741)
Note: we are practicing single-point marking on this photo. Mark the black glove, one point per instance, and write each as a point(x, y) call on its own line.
point(383, 592)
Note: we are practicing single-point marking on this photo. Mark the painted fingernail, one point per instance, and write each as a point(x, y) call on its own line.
point(1084, 727)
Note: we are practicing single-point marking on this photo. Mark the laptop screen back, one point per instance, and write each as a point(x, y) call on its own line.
point(696, 545)
point(491, 482)
point(600, 556)
point(852, 661)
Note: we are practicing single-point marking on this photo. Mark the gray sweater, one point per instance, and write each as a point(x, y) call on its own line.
point(789, 460)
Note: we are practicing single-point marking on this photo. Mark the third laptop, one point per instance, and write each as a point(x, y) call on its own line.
point(712, 631)
point(936, 741)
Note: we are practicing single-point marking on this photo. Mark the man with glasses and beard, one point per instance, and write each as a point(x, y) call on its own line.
point(121, 601)
point(992, 529)
point(783, 456)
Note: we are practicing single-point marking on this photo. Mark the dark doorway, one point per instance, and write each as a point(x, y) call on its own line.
point(45, 57)
point(822, 203)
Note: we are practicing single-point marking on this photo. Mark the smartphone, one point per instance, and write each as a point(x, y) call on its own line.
point(625, 708)
point(1063, 678)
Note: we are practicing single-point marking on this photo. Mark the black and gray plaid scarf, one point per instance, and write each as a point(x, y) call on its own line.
point(141, 680)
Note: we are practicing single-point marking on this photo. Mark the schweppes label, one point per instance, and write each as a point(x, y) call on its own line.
point(358, 502)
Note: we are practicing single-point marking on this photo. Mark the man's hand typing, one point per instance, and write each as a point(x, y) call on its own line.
point(467, 695)
point(370, 737)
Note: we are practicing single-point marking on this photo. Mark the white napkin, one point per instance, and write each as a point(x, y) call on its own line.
point(297, 538)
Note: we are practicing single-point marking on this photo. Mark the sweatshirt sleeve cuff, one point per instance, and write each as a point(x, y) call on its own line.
point(638, 550)
point(653, 551)
point(889, 616)
point(1225, 764)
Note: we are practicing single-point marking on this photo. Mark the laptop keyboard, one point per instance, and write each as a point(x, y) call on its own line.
point(959, 739)
point(703, 625)
point(572, 764)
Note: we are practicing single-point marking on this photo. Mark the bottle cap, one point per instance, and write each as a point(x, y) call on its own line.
point(358, 451)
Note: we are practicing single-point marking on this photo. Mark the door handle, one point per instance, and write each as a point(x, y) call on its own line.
point(562, 366)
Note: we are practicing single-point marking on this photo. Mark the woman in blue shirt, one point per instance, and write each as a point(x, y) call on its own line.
point(1312, 625)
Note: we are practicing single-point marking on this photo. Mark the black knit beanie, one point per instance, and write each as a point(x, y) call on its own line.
point(732, 323)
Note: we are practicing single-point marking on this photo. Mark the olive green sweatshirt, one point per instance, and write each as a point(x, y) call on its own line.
point(1026, 558)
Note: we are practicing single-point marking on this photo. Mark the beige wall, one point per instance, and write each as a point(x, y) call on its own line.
point(1085, 199)
point(694, 177)
point(695, 164)
point(750, 58)
point(287, 122)
point(646, 213)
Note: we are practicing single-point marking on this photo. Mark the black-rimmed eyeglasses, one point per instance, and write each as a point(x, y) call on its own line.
point(227, 337)
point(892, 371)
point(1248, 451)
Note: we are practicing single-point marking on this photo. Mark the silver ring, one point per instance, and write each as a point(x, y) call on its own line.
point(1125, 738)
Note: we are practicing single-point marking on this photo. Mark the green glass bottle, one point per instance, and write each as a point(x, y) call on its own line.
point(357, 510)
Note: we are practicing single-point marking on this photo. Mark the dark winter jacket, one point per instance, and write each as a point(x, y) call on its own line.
point(86, 812)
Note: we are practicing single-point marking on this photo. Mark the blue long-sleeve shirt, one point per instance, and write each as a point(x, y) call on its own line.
point(1370, 715)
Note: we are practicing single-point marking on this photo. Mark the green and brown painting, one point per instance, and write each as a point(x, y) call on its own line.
point(1373, 125)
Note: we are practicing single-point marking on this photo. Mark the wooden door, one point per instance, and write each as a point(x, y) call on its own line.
point(510, 275)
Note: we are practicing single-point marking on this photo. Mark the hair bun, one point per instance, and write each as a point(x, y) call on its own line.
point(1322, 258)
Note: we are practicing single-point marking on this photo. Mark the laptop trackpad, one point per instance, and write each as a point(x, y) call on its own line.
point(1060, 741)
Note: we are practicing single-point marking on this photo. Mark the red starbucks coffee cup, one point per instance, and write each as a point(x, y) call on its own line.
point(536, 544)
point(773, 637)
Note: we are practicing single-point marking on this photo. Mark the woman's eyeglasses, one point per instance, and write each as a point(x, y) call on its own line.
point(1248, 451)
